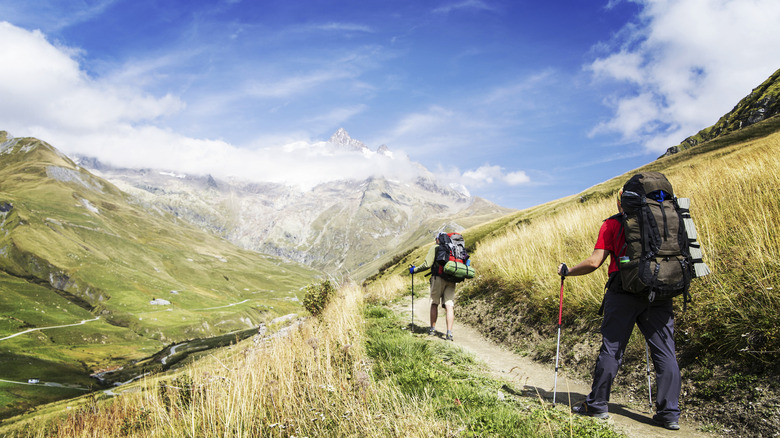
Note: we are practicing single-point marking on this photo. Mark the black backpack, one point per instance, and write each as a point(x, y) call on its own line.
point(657, 261)
point(451, 262)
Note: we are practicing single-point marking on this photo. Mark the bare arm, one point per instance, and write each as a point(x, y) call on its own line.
point(588, 265)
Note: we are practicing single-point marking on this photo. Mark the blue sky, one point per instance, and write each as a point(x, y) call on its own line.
point(521, 101)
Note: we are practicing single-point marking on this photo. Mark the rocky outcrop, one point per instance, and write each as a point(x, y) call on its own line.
point(762, 103)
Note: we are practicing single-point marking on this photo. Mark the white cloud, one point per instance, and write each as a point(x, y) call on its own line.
point(517, 178)
point(422, 122)
point(464, 4)
point(44, 93)
point(336, 116)
point(490, 174)
point(42, 85)
point(514, 91)
point(294, 85)
point(688, 62)
point(346, 27)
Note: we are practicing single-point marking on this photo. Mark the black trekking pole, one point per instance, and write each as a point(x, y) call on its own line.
point(649, 389)
point(411, 271)
point(564, 269)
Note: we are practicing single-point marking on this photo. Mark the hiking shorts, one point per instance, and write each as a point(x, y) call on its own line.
point(442, 289)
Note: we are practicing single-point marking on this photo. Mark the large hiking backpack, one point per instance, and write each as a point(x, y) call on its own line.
point(657, 261)
point(451, 261)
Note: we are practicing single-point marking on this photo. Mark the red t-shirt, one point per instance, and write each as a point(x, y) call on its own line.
point(611, 239)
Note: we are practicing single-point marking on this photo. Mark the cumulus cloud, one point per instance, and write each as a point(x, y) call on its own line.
point(686, 63)
point(490, 174)
point(44, 93)
point(42, 85)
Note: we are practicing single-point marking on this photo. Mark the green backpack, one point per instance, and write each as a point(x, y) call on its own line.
point(657, 261)
point(452, 259)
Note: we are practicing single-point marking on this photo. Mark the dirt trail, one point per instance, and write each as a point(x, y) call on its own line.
point(534, 378)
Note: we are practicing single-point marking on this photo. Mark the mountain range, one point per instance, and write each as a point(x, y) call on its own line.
point(102, 266)
point(91, 278)
point(338, 226)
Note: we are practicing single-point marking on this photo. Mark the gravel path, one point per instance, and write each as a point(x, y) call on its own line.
point(535, 378)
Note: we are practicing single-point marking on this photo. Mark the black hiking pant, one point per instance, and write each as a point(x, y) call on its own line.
point(656, 322)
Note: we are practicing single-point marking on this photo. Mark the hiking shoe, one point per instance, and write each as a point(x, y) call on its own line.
point(669, 425)
point(431, 331)
point(448, 337)
point(583, 410)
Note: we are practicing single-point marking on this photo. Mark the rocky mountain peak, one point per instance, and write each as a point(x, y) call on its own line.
point(342, 140)
point(384, 150)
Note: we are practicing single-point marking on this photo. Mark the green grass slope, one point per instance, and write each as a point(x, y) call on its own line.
point(73, 248)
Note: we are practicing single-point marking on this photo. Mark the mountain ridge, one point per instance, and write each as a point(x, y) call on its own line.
point(335, 225)
point(63, 227)
point(761, 104)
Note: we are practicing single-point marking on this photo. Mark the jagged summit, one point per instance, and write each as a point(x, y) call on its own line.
point(384, 150)
point(342, 140)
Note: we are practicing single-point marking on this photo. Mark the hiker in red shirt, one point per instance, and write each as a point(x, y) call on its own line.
point(621, 311)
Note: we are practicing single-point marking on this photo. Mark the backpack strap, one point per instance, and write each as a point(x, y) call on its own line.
point(620, 217)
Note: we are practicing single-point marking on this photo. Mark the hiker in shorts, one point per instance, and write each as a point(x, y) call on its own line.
point(621, 311)
point(441, 290)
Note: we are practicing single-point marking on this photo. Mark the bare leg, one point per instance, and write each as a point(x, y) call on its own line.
point(434, 314)
point(450, 316)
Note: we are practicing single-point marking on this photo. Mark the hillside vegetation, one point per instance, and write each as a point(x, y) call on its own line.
point(353, 371)
point(728, 340)
point(74, 249)
point(356, 370)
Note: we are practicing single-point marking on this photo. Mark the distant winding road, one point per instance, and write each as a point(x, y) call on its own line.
point(84, 321)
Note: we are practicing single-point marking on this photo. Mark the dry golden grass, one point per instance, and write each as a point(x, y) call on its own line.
point(316, 381)
point(386, 289)
point(735, 203)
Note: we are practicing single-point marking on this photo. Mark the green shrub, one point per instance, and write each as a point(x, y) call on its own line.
point(316, 297)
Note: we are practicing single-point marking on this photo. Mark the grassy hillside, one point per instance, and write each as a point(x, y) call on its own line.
point(73, 248)
point(728, 339)
point(354, 371)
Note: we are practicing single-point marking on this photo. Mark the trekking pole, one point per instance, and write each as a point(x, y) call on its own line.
point(564, 269)
point(412, 272)
point(649, 389)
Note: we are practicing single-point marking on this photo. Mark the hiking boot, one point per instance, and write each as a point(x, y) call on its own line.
point(448, 337)
point(583, 410)
point(431, 331)
point(669, 425)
